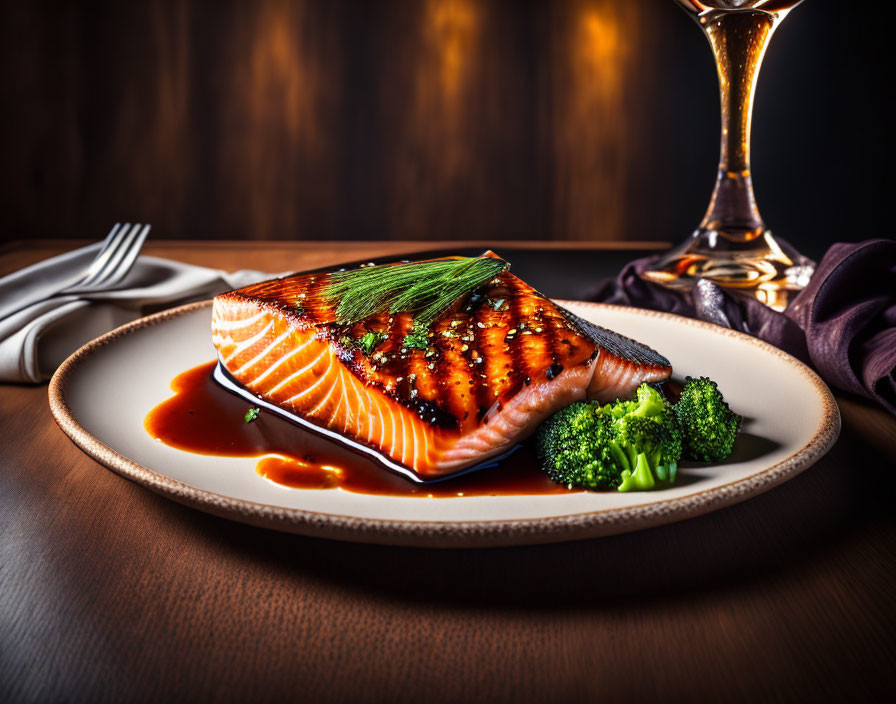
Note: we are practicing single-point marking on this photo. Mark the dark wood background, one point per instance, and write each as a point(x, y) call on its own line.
point(438, 119)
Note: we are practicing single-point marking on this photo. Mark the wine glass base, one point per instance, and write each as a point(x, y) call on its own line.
point(757, 267)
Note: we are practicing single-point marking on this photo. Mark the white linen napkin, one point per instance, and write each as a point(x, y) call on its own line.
point(35, 340)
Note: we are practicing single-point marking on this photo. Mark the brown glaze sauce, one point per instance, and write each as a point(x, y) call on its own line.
point(203, 418)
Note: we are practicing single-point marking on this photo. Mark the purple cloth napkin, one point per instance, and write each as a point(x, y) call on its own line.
point(843, 323)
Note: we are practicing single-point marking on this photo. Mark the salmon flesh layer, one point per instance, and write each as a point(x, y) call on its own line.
point(495, 367)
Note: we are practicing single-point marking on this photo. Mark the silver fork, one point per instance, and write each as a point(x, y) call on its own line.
point(118, 254)
point(28, 289)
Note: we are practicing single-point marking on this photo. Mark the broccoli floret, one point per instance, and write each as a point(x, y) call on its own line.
point(626, 445)
point(642, 445)
point(648, 403)
point(707, 425)
point(573, 445)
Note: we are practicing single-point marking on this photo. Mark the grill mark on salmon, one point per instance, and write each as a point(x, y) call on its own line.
point(477, 330)
point(434, 414)
point(519, 371)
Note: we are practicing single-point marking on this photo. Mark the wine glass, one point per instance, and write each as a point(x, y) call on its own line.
point(732, 245)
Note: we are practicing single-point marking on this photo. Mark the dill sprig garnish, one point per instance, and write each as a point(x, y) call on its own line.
point(426, 288)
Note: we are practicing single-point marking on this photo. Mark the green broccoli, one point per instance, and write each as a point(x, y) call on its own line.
point(708, 426)
point(646, 448)
point(573, 445)
point(647, 403)
point(626, 445)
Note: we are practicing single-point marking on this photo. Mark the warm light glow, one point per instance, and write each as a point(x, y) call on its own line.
point(280, 92)
point(435, 154)
point(278, 117)
point(592, 59)
point(450, 30)
point(600, 44)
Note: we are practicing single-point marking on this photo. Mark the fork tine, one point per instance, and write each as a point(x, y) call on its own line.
point(127, 260)
point(114, 255)
point(101, 257)
point(110, 238)
point(102, 262)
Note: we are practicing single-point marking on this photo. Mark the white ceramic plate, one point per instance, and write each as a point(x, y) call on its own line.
point(102, 393)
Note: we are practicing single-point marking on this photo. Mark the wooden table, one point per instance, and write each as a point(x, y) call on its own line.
point(110, 592)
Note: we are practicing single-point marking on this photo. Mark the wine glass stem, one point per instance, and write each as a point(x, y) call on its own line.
point(738, 41)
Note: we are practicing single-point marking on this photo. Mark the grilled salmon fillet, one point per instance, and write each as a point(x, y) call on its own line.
point(496, 365)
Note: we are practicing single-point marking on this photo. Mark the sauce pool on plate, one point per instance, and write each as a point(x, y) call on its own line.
point(203, 418)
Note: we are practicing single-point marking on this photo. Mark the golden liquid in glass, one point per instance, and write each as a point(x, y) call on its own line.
point(732, 245)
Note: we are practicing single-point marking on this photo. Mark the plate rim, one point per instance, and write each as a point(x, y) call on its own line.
point(448, 534)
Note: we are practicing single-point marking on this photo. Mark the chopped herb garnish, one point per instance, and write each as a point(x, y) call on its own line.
point(370, 341)
point(417, 338)
point(367, 344)
point(251, 414)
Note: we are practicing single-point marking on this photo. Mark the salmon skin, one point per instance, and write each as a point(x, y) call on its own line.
point(495, 366)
